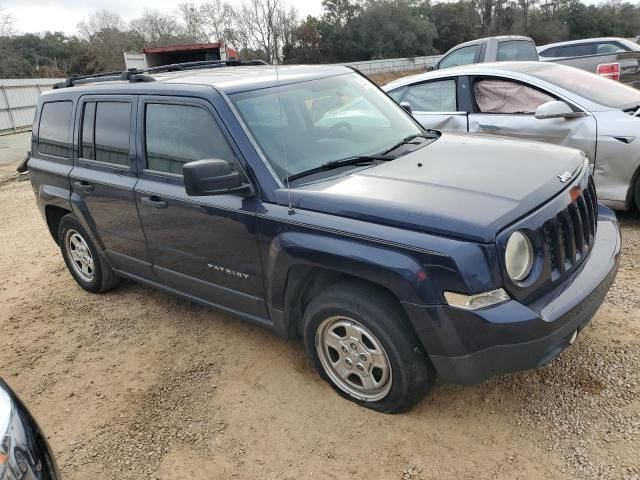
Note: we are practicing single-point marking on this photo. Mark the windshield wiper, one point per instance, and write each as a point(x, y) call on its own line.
point(406, 141)
point(343, 162)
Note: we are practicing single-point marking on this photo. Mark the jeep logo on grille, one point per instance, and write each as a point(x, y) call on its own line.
point(565, 177)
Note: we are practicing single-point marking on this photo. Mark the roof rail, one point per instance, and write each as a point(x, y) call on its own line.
point(203, 64)
point(140, 75)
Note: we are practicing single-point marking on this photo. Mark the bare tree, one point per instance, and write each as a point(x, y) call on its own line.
point(266, 25)
point(194, 22)
point(7, 30)
point(156, 27)
point(100, 21)
point(219, 20)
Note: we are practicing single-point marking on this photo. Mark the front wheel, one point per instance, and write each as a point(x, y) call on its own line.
point(636, 194)
point(361, 343)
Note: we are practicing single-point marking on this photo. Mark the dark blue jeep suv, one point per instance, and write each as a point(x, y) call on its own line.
point(305, 200)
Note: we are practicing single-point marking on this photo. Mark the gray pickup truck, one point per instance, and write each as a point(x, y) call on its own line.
point(616, 58)
point(491, 49)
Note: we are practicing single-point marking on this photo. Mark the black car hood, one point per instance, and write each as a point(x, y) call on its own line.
point(461, 185)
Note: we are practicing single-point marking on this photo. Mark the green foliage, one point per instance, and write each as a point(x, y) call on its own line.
point(374, 29)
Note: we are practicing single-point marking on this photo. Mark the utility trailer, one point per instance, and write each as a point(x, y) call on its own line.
point(151, 57)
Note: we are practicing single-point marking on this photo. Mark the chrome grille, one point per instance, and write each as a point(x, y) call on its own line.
point(570, 234)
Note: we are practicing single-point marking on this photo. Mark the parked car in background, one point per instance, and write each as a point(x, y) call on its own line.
point(391, 250)
point(24, 451)
point(612, 57)
point(492, 49)
point(538, 101)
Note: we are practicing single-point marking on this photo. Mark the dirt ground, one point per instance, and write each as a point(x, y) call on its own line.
point(136, 384)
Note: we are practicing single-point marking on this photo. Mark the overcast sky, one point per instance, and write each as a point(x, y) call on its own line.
point(64, 15)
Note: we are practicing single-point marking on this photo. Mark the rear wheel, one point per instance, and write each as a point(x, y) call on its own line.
point(85, 262)
point(636, 194)
point(362, 345)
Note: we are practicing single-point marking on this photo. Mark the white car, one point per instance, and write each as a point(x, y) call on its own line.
point(538, 101)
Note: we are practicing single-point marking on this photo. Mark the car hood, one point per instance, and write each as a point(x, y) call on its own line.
point(461, 185)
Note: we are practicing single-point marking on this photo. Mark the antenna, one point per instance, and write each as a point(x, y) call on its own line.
point(284, 149)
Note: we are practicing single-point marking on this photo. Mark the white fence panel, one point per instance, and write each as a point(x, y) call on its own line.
point(393, 65)
point(18, 99)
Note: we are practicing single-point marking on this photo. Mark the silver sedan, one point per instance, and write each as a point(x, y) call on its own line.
point(538, 101)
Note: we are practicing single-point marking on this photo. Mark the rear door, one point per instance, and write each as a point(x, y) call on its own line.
point(504, 106)
point(104, 176)
point(434, 103)
point(203, 247)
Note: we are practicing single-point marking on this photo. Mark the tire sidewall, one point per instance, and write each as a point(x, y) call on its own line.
point(403, 353)
point(67, 223)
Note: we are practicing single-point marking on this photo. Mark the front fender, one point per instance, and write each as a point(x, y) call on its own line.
point(394, 270)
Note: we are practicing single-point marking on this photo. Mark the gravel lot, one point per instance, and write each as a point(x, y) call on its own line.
point(135, 384)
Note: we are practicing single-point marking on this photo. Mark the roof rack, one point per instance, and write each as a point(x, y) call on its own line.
point(140, 75)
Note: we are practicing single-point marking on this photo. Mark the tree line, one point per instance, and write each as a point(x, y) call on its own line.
point(272, 30)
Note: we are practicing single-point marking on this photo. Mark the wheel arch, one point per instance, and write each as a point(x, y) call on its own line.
point(634, 190)
point(53, 215)
point(299, 265)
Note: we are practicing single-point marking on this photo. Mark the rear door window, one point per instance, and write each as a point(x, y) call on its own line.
point(579, 50)
point(105, 132)
point(462, 56)
point(551, 52)
point(504, 96)
point(521, 50)
point(55, 128)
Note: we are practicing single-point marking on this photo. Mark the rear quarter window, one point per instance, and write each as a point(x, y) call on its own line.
point(54, 132)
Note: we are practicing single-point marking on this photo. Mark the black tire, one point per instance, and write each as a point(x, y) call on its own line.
point(102, 278)
point(636, 194)
point(412, 374)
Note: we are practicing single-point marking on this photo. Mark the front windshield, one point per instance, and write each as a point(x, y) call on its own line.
point(304, 125)
point(593, 87)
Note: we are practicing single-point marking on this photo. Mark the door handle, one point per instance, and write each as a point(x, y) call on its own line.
point(84, 186)
point(492, 128)
point(154, 202)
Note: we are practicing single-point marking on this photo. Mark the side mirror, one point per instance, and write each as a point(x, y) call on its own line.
point(407, 107)
point(212, 177)
point(24, 451)
point(430, 68)
point(556, 109)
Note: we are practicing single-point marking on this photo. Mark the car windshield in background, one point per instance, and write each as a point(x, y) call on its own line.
point(305, 125)
point(590, 86)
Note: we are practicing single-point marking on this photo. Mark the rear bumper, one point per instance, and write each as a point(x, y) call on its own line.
point(468, 347)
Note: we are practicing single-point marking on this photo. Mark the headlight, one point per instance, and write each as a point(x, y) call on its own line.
point(519, 256)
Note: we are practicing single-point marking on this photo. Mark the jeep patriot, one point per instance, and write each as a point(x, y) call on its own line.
point(305, 200)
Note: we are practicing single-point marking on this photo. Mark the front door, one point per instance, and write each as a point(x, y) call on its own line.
point(507, 107)
point(103, 178)
point(203, 247)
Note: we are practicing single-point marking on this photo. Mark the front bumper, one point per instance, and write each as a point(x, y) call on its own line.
point(468, 347)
